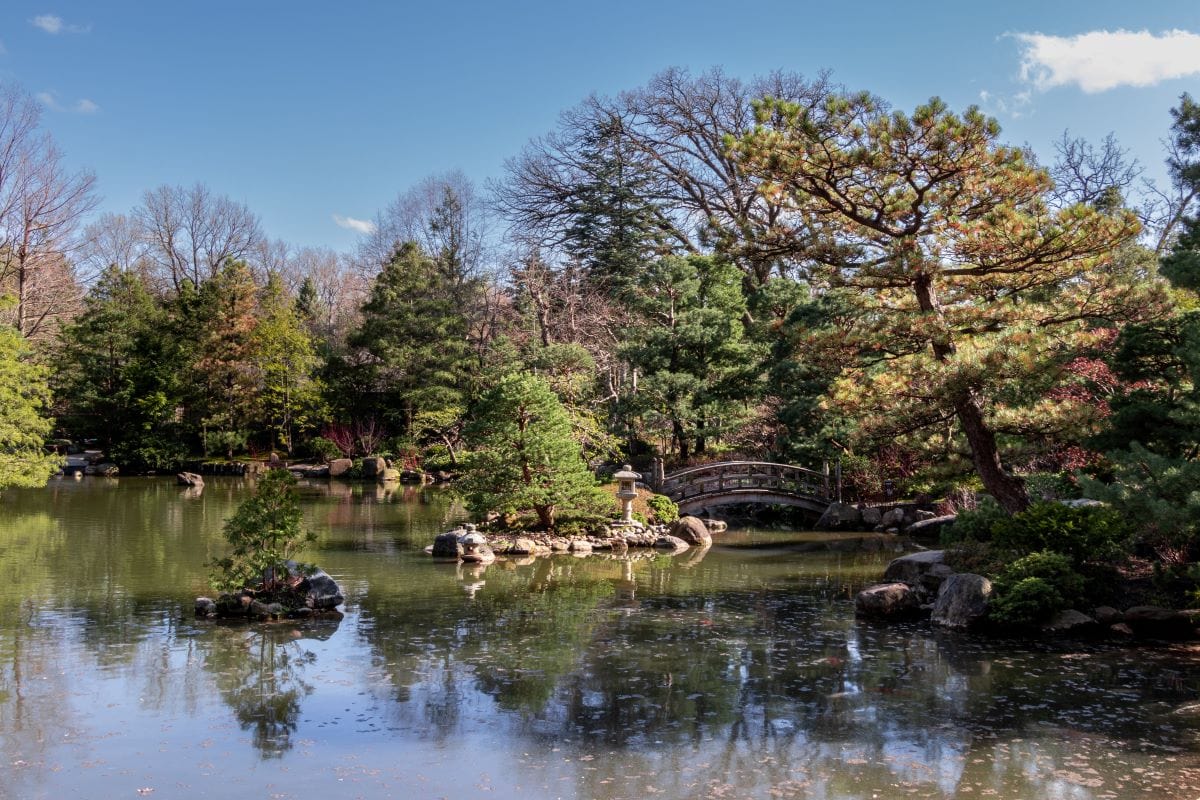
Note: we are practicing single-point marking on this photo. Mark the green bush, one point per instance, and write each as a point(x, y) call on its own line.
point(1054, 568)
point(1028, 602)
point(975, 525)
point(1088, 533)
point(324, 449)
point(1029, 590)
point(663, 508)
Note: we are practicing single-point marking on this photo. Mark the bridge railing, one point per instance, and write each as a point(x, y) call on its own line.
point(733, 476)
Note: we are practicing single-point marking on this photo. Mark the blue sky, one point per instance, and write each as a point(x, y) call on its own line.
point(307, 110)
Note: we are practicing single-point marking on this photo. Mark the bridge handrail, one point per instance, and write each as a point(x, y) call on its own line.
point(721, 464)
point(766, 472)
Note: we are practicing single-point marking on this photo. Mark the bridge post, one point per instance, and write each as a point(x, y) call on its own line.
point(658, 473)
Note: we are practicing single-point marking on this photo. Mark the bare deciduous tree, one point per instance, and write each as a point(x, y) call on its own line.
point(112, 240)
point(1091, 174)
point(674, 130)
point(339, 290)
point(190, 233)
point(42, 205)
point(443, 214)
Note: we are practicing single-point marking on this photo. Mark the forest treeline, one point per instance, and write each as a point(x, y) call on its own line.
point(701, 267)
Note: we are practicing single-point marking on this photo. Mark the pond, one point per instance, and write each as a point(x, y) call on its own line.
point(733, 673)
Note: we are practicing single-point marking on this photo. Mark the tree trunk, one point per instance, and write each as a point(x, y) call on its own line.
point(1008, 490)
point(545, 516)
point(681, 440)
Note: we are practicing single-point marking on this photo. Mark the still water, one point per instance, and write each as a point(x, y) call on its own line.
point(736, 673)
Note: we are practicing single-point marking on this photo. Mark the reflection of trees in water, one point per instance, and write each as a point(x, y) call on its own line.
point(259, 672)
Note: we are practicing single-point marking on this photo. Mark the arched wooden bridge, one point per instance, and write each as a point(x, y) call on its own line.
point(734, 482)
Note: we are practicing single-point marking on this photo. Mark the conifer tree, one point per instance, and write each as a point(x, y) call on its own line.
point(117, 373)
point(969, 284)
point(24, 397)
point(689, 349)
point(283, 354)
point(413, 339)
point(525, 455)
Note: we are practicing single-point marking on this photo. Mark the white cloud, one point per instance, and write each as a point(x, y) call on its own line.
point(48, 22)
point(1101, 60)
point(1012, 105)
point(54, 25)
point(350, 223)
point(83, 106)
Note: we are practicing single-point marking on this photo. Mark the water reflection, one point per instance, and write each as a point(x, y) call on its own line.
point(738, 671)
point(260, 672)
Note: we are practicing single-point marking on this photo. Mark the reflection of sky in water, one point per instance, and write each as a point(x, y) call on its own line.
point(736, 673)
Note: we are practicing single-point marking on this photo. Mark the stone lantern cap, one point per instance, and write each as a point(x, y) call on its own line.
point(626, 473)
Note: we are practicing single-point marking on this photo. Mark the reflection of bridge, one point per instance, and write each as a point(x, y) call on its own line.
point(733, 482)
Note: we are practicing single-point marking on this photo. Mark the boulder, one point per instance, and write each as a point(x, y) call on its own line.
point(189, 479)
point(340, 466)
point(887, 601)
point(388, 475)
point(1070, 623)
point(910, 568)
point(1106, 615)
point(716, 525)
point(962, 601)
point(522, 547)
point(691, 530)
point(669, 542)
point(266, 610)
point(871, 516)
point(412, 476)
point(931, 582)
point(1159, 623)
point(580, 546)
point(923, 515)
point(319, 471)
point(206, 607)
point(932, 526)
point(232, 605)
point(446, 545)
point(105, 469)
point(839, 516)
point(321, 592)
point(373, 466)
point(892, 518)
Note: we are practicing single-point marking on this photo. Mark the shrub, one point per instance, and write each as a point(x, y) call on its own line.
point(324, 449)
point(663, 508)
point(1029, 590)
point(1088, 533)
point(975, 524)
point(1028, 602)
point(1054, 568)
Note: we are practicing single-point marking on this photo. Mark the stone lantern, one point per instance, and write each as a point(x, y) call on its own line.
point(626, 491)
